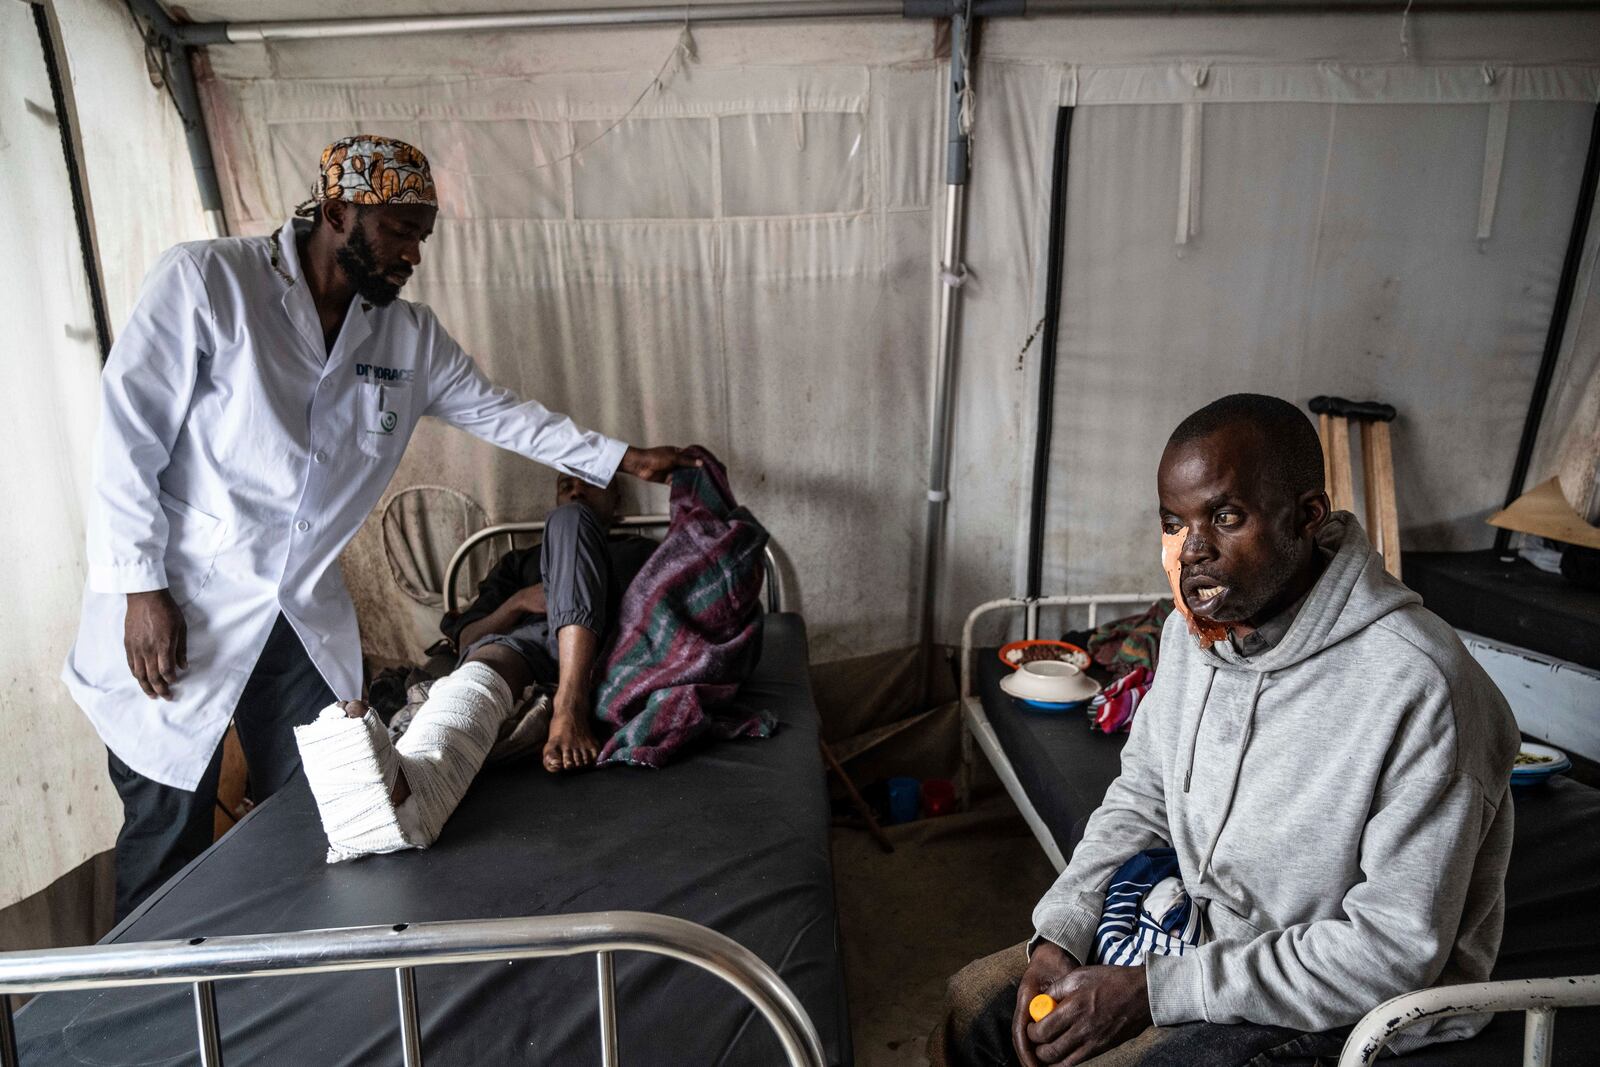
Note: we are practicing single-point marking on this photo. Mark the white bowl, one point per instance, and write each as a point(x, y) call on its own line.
point(1051, 681)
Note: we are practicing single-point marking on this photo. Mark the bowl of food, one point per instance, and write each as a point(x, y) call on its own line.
point(1050, 685)
point(1017, 653)
point(1535, 763)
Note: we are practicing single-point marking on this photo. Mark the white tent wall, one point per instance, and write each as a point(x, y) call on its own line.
point(141, 191)
point(746, 262)
point(1569, 447)
point(1337, 189)
point(749, 261)
point(61, 814)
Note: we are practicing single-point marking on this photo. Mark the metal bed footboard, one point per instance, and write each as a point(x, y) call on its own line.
point(979, 732)
point(204, 961)
point(510, 530)
point(1538, 997)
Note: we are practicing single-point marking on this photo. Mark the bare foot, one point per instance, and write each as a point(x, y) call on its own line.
point(571, 746)
point(357, 709)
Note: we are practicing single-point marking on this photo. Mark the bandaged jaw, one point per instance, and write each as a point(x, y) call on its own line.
point(1208, 632)
point(352, 765)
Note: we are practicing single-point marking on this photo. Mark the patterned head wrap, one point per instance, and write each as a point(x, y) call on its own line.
point(368, 169)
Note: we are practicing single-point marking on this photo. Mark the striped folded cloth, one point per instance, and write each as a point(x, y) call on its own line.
point(1147, 912)
point(1112, 709)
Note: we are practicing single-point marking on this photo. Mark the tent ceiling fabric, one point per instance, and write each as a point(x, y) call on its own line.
point(746, 262)
point(1153, 327)
point(740, 295)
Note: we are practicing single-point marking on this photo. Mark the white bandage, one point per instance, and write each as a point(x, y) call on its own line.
point(352, 765)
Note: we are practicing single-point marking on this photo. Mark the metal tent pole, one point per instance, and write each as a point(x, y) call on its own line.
point(951, 277)
point(80, 209)
point(1054, 265)
point(234, 32)
point(180, 80)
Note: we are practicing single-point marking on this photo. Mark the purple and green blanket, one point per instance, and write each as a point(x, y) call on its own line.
point(689, 630)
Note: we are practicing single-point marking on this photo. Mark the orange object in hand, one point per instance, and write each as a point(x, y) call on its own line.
point(1040, 1006)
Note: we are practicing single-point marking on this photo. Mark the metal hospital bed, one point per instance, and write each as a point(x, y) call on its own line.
point(511, 532)
point(1550, 910)
point(638, 869)
point(202, 962)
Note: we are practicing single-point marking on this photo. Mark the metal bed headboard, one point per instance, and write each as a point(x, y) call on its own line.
point(509, 530)
point(978, 731)
point(1538, 997)
point(1031, 605)
point(204, 961)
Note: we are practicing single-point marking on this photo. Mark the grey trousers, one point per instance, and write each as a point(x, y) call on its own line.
point(576, 569)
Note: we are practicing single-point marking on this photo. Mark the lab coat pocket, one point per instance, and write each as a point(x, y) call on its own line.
point(377, 421)
point(193, 540)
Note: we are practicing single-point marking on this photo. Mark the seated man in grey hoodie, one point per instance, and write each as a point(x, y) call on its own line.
point(1328, 764)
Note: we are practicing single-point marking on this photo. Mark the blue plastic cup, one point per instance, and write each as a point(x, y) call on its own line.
point(905, 796)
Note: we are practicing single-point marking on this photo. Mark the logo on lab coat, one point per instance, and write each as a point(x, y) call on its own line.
point(385, 375)
point(387, 422)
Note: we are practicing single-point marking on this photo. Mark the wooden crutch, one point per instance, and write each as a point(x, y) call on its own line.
point(1334, 415)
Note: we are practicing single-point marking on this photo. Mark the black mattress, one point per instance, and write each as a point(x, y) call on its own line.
point(734, 837)
point(1552, 884)
point(1063, 765)
point(1515, 602)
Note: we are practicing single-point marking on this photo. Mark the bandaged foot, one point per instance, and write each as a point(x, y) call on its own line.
point(354, 769)
point(1207, 631)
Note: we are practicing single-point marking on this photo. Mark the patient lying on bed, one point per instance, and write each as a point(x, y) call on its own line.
point(541, 616)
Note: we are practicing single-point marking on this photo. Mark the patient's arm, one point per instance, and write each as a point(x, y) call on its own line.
point(526, 601)
point(513, 572)
point(1132, 817)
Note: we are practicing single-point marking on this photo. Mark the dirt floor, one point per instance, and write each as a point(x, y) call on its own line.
point(955, 888)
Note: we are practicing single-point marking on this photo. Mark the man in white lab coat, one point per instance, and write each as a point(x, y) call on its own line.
point(253, 411)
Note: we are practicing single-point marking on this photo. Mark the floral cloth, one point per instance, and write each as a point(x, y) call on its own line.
point(369, 169)
point(1123, 644)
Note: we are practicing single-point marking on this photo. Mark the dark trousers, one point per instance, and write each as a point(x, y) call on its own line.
point(579, 588)
point(981, 1000)
point(163, 828)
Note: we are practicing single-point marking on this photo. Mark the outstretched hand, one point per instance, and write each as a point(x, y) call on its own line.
point(655, 464)
point(1097, 1009)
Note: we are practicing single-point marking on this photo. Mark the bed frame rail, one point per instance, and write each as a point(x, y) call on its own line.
point(1092, 601)
point(978, 733)
point(510, 531)
point(1538, 997)
point(203, 961)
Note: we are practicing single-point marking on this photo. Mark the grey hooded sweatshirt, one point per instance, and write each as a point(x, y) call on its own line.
point(1339, 806)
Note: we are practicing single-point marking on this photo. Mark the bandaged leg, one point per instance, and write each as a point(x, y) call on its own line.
point(354, 768)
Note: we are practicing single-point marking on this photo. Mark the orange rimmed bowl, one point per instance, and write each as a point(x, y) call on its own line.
point(1080, 660)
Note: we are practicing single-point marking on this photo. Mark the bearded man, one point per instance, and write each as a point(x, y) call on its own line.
point(253, 411)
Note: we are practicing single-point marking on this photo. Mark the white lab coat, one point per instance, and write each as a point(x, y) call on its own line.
point(236, 458)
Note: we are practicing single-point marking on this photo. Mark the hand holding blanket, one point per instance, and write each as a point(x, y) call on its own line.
point(689, 630)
